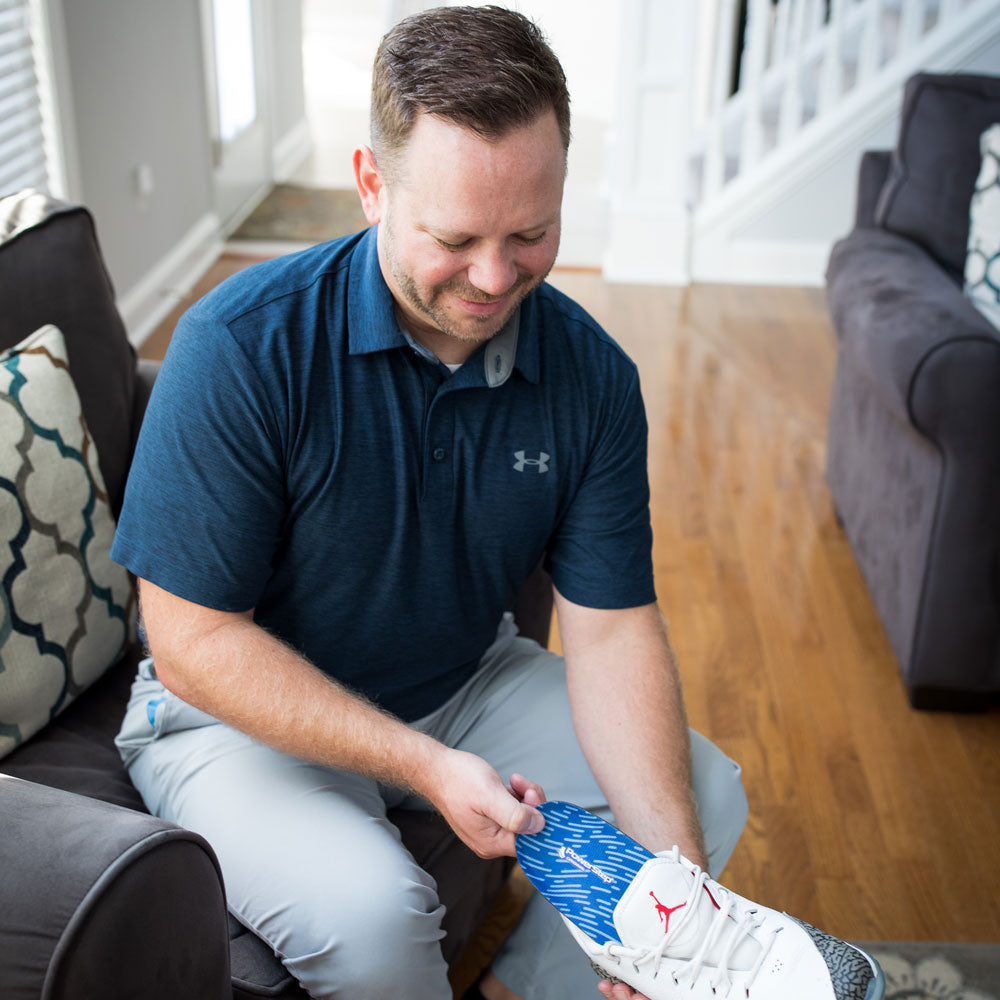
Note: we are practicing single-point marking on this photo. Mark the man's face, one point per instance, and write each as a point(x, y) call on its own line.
point(468, 228)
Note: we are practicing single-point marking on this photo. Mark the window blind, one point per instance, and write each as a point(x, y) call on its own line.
point(22, 136)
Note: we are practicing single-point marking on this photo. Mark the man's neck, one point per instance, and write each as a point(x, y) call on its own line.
point(448, 350)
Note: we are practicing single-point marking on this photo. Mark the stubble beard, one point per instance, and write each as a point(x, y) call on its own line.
point(476, 329)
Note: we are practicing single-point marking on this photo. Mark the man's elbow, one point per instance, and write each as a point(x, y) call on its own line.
point(179, 635)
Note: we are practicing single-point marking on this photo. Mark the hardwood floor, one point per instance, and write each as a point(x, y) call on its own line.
point(868, 819)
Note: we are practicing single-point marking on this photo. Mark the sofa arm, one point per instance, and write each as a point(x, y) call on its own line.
point(101, 901)
point(905, 325)
point(872, 174)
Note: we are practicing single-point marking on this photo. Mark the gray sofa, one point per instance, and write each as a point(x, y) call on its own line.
point(913, 459)
point(97, 898)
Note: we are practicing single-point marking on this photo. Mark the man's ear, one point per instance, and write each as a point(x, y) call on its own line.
point(371, 186)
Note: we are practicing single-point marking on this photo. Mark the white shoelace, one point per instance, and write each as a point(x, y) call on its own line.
point(731, 917)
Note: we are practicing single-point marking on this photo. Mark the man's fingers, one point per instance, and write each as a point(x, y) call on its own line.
point(521, 817)
point(532, 821)
point(527, 791)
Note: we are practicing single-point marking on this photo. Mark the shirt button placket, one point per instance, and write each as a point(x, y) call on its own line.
point(439, 486)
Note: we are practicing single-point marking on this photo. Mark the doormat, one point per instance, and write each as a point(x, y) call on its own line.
point(294, 214)
point(917, 970)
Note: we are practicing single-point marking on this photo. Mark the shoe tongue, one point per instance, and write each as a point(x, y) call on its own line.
point(658, 903)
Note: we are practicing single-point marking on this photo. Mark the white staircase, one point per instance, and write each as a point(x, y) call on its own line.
point(781, 107)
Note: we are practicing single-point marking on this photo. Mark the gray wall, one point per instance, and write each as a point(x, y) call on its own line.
point(135, 78)
point(137, 85)
point(288, 99)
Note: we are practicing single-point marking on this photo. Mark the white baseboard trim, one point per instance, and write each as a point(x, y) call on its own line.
point(149, 300)
point(291, 151)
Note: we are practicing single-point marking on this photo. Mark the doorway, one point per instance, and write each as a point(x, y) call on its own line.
point(238, 113)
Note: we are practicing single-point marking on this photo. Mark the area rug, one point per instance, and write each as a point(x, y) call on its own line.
point(294, 214)
point(933, 971)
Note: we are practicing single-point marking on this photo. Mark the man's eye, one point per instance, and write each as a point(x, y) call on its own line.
point(531, 240)
point(453, 246)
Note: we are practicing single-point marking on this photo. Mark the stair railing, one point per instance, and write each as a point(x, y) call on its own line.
point(799, 61)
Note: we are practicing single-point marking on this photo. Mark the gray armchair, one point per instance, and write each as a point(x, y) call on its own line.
point(97, 898)
point(913, 458)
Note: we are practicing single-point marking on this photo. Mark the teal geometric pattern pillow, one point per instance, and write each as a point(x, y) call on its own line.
point(67, 611)
point(982, 263)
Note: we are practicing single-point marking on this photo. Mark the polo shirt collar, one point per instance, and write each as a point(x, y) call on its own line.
point(372, 324)
point(371, 318)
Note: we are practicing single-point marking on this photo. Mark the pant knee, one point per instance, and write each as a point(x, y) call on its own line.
point(380, 943)
point(722, 801)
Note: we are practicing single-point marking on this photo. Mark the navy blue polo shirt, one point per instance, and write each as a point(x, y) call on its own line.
point(301, 458)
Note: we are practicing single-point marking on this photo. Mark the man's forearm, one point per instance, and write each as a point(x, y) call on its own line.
point(244, 676)
point(629, 714)
point(228, 666)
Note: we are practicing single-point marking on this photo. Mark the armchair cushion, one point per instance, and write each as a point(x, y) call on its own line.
point(936, 160)
point(69, 611)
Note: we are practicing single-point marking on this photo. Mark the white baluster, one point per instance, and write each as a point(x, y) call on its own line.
point(814, 22)
point(727, 25)
point(714, 166)
point(755, 50)
point(948, 8)
point(911, 23)
point(782, 22)
point(790, 113)
point(870, 55)
point(832, 78)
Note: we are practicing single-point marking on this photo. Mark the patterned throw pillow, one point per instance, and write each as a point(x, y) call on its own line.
point(982, 263)
point(67, 611)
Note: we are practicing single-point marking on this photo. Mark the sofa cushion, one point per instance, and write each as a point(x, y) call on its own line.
point(52, 271)
point(936, 160)
point(982, 262)
point(68, 612)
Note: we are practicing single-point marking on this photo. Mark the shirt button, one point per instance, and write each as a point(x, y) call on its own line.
point(439, 454)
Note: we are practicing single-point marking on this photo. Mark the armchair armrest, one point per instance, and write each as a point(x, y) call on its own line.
point(906, 325)
point(872, 173)
point(97, 900)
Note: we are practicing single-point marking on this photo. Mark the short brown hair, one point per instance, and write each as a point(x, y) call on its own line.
point(486, 68)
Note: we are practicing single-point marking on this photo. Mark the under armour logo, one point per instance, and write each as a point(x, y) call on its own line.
point(541, 463)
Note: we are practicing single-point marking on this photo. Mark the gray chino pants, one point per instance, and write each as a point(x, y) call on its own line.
point(312, 865)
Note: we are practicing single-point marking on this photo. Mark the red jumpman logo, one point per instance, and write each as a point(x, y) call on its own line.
point(664, 911)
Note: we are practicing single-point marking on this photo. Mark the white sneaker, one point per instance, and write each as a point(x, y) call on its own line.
point(661, 925)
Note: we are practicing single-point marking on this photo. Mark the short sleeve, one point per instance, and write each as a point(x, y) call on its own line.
point(204, 503)
point(601, 553)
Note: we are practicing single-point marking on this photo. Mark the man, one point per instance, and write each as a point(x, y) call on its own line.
point(352, 459)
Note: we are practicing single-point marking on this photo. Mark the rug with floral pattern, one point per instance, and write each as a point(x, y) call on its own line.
point(932, 971)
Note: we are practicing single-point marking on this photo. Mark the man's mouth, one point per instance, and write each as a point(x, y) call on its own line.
point(488, 308)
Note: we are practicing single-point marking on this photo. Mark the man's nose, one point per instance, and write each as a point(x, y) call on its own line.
point(493, 271)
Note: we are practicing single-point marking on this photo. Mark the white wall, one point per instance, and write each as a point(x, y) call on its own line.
point(587, 41)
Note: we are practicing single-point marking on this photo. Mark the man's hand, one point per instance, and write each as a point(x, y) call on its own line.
point(485, 813)
point(619, 991)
